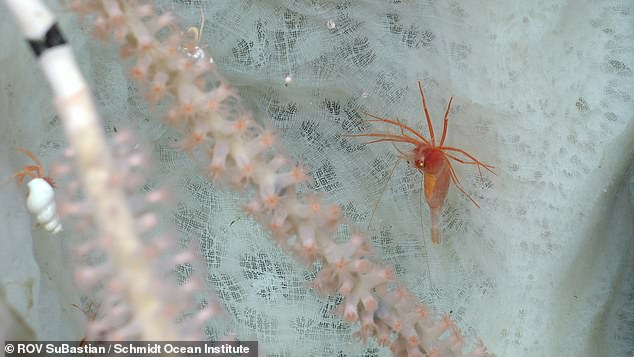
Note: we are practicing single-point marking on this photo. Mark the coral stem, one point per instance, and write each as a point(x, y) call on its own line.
point(86, 137)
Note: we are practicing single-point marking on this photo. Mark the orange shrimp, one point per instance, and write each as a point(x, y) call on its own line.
point(430, 159)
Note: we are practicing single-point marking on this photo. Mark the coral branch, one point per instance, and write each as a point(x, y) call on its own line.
point(104, 193)
point(242, 153)
point(103, 277)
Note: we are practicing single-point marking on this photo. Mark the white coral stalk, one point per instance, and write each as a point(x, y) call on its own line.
point(95, 163)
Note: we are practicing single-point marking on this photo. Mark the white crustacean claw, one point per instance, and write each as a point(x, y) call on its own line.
point(40, 201)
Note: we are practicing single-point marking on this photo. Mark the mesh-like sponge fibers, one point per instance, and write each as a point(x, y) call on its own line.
point(543, 91)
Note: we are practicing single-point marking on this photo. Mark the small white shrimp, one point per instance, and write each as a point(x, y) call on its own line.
point(192, 49)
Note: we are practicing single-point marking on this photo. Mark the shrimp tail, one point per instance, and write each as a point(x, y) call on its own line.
point(435, 230)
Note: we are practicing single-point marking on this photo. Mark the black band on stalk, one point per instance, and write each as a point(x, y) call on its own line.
point(52, 38)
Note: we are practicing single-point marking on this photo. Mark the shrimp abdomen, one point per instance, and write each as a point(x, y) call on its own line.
point(436, 188)
point(435, 230)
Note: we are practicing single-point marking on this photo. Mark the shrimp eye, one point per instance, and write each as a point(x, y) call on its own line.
point(419, 164)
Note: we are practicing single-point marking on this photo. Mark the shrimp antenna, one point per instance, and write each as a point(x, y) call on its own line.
point(202, 23)
point(389, 178)
point(29, 154)
point(445, 122)
point(429, 125)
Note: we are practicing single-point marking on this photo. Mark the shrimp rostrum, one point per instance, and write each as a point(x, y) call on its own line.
point(431, 159)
